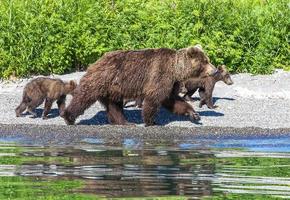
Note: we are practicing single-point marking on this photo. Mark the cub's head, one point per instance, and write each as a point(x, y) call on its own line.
point(225, 75)
point(200, 62)
point(69, 87)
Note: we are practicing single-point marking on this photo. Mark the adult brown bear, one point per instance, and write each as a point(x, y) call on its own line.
point(149, 74)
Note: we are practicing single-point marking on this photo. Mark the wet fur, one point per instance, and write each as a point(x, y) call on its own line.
point(148, 74)
point(177, 105)
point(44, 89)
point(177, 89)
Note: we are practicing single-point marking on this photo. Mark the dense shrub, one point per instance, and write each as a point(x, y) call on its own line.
point(58, 36)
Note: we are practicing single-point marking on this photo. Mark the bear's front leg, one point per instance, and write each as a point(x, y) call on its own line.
point(138, 102)
point(149, 110)
point(155, 94)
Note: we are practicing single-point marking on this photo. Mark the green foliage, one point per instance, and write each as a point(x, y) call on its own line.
point(58, 36)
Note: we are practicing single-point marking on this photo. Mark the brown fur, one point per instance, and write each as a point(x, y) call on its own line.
point(178, 89)
point(148, 74)
point(177, 105)
point(48, 89)
point(206, 86)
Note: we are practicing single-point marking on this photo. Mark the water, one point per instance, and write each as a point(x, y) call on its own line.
point(201, 168)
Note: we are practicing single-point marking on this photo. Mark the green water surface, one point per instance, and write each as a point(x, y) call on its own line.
point(90, 171)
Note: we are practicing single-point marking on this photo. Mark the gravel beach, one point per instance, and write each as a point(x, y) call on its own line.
point(261, 101)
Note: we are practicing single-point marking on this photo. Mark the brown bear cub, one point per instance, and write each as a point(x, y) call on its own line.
point(48, 89)
point(206, 86)
point(177, 89)
point(148, 74)
point(177, 105)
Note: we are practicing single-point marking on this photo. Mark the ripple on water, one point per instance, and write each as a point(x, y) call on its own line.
point(201, 168)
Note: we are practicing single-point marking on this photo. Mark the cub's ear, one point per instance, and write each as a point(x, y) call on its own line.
point(222, 68)
point(194, 51)
point(73, 83)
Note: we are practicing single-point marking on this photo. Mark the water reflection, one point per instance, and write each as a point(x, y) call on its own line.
point(134, 168)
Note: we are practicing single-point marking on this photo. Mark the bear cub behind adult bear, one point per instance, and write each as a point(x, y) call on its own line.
point(206, 85)
point(149, 74)
point(48, 89)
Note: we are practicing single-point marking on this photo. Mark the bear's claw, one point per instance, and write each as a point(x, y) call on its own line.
point(194, 116)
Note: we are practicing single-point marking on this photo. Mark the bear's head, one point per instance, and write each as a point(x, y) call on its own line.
point(69, 120)
point(69, 87)
point(200, 63)
point(224, 75)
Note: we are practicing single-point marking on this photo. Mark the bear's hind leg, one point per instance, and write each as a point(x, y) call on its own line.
point(115, 113)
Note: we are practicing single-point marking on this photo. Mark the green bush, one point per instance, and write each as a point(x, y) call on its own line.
point(59, 36)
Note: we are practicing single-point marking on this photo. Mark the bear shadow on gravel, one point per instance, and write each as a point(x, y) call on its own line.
point(215, 99)
point(135, 116)
point(53, 113)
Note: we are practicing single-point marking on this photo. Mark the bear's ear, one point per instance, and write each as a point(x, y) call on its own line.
point(194, 51)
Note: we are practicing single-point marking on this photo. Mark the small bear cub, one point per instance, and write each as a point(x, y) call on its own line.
point(206, 86)
point(48, 89)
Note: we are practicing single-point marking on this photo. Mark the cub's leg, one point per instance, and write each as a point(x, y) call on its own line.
point(61, 103)
point(23, 105)
point(206, 98)
point(188, 95)
point(47, 107)
point(34, 103)
point(20, 109)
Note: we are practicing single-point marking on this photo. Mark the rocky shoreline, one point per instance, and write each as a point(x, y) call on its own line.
point(253, 101)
